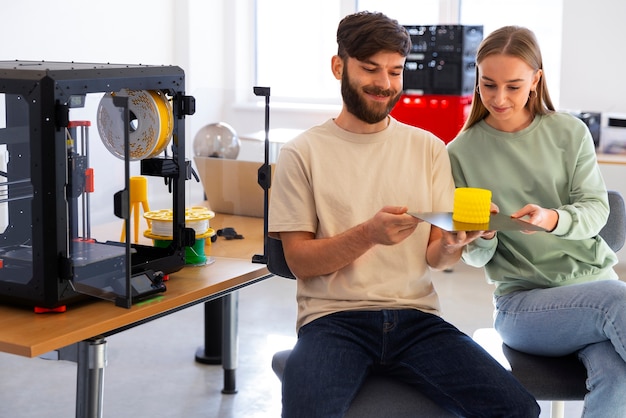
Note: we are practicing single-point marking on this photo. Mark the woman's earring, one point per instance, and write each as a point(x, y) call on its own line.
point(531, 94)
point(477, 89)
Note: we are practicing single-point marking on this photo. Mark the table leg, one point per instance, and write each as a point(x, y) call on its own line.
point(211, 353)
point(230, 343)
point(91, 361)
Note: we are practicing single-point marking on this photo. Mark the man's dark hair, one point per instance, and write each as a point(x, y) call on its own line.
point(364, 34)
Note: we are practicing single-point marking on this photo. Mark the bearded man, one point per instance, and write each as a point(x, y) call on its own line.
point(366, 302)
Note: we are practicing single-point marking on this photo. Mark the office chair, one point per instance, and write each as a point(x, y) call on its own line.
point(380, 396)
point(555, 379)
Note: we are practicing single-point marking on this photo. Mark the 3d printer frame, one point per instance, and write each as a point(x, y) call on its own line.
point(45, 259)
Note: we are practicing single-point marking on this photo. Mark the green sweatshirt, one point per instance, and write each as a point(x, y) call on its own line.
point(551, 163)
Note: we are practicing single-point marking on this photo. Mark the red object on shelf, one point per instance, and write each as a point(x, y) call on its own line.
point(442, 115)
point(58, 309)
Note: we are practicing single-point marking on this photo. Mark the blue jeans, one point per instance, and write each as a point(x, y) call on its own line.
point(589, 319)
point(335, 353)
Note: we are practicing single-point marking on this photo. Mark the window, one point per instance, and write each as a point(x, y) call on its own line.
point(543, 17)
point(411, 12)
point(296, 40)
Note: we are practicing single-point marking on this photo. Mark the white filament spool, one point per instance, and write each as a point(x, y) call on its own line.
point(196, 218)
point(151, 122)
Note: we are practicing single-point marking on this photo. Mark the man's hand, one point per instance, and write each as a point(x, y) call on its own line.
point(454, 241)
point(308, 256)
point(390, 225)
point(491, 234)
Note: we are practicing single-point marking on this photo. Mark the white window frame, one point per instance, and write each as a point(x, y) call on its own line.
point(450, 12)
point(318, 63)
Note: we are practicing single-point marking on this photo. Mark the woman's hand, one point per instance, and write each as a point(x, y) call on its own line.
point(545, 218)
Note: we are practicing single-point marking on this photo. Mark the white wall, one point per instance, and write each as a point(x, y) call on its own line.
point(187, 33)
point(74, 30)
point(593, 57)
point(592, 67)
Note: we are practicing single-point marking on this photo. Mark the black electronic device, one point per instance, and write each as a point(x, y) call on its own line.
point(49, 254)
point(593, 120)
point(442, 59)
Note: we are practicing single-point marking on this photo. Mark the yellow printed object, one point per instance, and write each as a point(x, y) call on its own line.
point(471, 205)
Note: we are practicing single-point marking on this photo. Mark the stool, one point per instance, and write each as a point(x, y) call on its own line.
point(555, 379)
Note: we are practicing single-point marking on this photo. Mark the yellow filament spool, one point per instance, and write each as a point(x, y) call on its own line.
point(196, 217)
point(150, 126)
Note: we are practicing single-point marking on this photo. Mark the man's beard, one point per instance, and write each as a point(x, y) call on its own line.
point(357, 105)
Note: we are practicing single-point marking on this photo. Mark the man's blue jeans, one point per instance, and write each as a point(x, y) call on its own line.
point(588, 318)
point(335, 353)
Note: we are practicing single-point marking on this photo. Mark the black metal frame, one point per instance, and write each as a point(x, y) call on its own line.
point(38, 97)
point(264, 175)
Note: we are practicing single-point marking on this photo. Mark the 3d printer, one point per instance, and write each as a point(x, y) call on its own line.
point(48, 256)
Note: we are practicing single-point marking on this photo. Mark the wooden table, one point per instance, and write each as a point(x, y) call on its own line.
point(619, 159)
point(82, 329)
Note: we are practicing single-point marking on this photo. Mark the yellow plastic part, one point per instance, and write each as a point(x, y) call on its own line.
point(138, 196)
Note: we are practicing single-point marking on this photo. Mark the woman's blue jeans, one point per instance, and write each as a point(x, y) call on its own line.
point(335, 353)
point(587, 318)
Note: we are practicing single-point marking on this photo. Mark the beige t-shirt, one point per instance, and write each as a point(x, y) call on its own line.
point(328, 180)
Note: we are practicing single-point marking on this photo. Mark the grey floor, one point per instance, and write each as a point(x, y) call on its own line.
point(151, 371)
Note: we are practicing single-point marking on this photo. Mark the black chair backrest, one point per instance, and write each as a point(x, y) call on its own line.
point(614, 233)
point(276, 262)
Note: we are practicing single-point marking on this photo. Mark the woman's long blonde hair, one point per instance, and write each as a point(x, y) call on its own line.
point(517, 42)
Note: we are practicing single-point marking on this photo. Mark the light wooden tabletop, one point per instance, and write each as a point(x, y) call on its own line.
point(25, 333)
point(619, 159)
